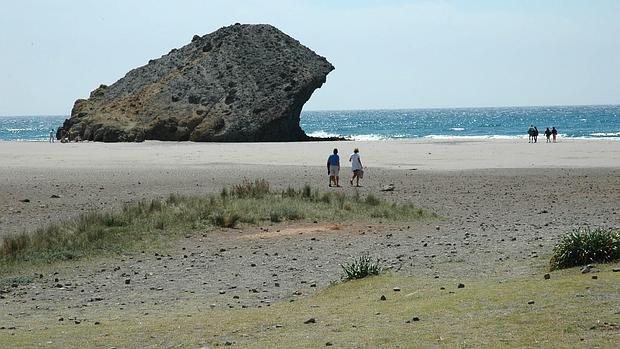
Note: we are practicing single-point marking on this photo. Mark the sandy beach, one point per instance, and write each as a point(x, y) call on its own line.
point(502, 206)
point(103, 176)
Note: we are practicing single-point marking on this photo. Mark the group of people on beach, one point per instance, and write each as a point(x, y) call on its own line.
point(333, 168)
point(532, 133)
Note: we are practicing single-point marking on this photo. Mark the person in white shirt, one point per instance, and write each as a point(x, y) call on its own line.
point(356, 167)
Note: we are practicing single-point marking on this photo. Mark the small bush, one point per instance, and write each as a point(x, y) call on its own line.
point(225, 219)
point(361, 267)
point(586, 246)
point(275, 217)
point(248, 189)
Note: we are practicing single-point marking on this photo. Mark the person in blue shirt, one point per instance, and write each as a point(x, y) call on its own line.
point(333, 168)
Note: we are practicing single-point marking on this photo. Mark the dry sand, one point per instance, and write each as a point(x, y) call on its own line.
point(504, 205)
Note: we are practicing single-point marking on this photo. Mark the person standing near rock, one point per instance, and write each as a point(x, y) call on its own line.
point(51, 136)
point(356, 167)
point(333, 168)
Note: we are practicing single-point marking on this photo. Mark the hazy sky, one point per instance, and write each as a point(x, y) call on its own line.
point(388, 54)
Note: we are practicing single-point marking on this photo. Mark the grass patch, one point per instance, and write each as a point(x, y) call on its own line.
point(487, 313)
point(586, 246)
point(361, 267)
point(153, 222)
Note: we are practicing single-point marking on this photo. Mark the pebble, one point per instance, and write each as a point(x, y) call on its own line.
point(396, 289)
point(461, 286)
point(594, 277)
point(328, 344)
point(310, 321)
point(530, 302)
point(547, 276)
point(616, 270)
point(383, 298)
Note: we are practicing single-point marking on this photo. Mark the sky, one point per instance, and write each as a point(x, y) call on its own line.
point(387, 54)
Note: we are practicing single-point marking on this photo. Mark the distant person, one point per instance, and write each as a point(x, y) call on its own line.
point(554, 133)
point(530, 134)
point(356, 167)
point(548, 135)
point(535, 134)
point(333, 168)
point(52, 136)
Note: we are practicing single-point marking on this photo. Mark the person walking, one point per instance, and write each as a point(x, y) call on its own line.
point(548, 135)
point(333, 168)
point(51, 136)
point(356, 167)
point(530, 134)
point(535, 134)
point(554, 133)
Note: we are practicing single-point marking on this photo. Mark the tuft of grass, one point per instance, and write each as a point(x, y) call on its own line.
point(361, 267)
point(586, 246)
point(248, 189)
point(153, 222)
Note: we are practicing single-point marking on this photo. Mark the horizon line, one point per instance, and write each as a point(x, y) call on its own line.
point(385, 109)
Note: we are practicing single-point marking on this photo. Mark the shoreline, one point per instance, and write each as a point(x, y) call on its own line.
point(425, 155)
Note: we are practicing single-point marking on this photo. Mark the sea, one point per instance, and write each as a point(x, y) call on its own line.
point(586, 122)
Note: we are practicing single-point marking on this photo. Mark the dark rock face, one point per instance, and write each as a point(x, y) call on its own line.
point(242, 83)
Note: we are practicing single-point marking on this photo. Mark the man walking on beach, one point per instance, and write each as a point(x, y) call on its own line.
point(333, 168)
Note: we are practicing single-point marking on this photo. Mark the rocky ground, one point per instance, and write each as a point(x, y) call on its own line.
point(495, 223)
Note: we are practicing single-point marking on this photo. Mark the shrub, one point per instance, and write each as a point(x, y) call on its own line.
point(585, 246)
point(225, 219)
point(248, 189)
point(361, 267)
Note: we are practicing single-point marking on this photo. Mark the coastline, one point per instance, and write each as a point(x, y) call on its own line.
point(424, 154)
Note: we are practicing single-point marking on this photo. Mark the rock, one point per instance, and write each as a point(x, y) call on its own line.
point(547, 276)
point(530, 302)
point(461, 286)
point(310, 321)
point(616, 270)
point(594, 277)
point(389, 187)
point(396, 289)
point(586, 269)
point(240, 83)
point(54, 196)
point(24, 200)
point(329, 344)
point(127, 281)
point(383, 298)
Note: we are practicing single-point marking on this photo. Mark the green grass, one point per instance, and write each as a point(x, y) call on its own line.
point(361, 267)
point(487, 313)
point(586, 246)
point(152, 223)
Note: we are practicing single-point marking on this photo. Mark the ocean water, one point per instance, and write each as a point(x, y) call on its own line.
point(592, 122)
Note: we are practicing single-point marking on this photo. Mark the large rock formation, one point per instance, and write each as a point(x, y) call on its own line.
point(241, 83)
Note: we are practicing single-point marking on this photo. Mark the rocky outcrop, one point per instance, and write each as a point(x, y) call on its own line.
point(242, 83)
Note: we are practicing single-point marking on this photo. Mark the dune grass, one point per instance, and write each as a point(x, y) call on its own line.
point(151, 223)
point(570, 310)
point(586, 246)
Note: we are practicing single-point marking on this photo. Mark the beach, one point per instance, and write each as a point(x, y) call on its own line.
point(89, 176)
point(501, 207)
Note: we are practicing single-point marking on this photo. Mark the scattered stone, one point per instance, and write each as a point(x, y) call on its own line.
point(127, 281)
point(328, 344)
point(54, 196)
point(396, 289)
point(389, 187)
point(461, 286)
point(594, 277)
point(310, 321)
point(587, 269)
point(530, 302)
point(547, 276)
point(616, 270)
point(24, 200)
point(383, 298)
